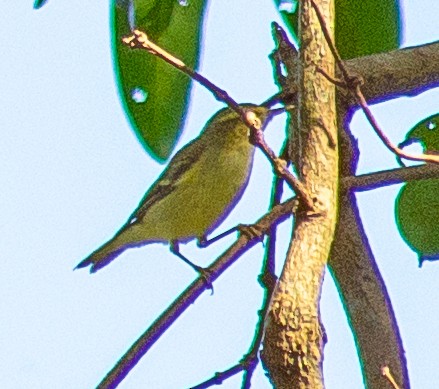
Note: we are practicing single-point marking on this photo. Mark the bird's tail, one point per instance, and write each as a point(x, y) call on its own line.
point(130, 235)
point(126, 237)
point(102, 256)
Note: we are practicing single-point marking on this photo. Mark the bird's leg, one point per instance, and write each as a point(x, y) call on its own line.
point(203, 272)
point(245, 229)
point(176, 250)
point(203, 241)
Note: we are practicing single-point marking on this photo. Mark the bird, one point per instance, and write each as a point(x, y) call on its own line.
point(417, 204)
point(197, 190)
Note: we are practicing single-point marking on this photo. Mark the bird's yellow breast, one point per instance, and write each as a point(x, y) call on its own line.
point(203, 199)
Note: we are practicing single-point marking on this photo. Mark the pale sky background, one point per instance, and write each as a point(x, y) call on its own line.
point(71, 172)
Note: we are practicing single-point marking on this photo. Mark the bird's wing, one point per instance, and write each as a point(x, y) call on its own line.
point(168, 180)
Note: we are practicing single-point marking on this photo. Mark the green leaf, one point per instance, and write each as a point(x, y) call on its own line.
point(39, 3)
point(417, 204)
point(366, 27)
point(361, 27)
point(417, 216)
point(155, 94)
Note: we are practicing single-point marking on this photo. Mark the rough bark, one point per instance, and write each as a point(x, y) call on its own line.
point(403, 72)
point(291, 361)
point(294, 336)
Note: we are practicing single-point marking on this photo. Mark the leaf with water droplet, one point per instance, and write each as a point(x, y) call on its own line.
point(139, 95)
point(158, 120)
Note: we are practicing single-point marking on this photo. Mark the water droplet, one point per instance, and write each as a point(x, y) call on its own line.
point(184, 3)
point(288, 6)
point(431, 125)
point(131, 15)
point(127, 6)
point(139, 95)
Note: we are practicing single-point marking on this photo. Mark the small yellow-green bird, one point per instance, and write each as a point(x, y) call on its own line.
point(198, 189)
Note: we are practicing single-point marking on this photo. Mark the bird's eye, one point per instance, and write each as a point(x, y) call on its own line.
point(253, 119)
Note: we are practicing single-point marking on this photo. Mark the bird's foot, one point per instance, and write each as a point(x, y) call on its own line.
point(206, 275)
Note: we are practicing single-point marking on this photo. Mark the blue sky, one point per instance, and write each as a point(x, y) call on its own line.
point(71, 171)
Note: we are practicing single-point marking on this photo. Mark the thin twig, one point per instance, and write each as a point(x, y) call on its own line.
point(267, 280)
point(140, 40)
point(395, 149)
point(192, 292)
point(220, 377)
point(268, 268)
point(353, 84)
point(268, 277)
point(335, 81)
point(249, 362)
point(285, 59)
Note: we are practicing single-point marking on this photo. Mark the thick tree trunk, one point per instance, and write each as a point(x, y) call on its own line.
point(294, 336)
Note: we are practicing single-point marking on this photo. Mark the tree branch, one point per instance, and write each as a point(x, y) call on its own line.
point(366, 300)
point(193, 291)
point(362, 289)
point(375, 180)
point(403, 72)
point(354, 84)
point(294, 337)
point(399, 73)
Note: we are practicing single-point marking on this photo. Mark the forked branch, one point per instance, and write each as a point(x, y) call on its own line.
point(353, 83)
